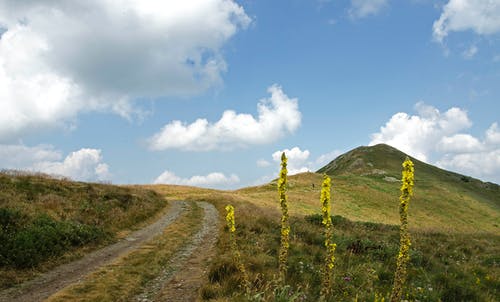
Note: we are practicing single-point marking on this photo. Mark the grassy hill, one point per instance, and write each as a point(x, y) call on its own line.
point(365, 187)
point(454, 221)
point(443, 200)
point(46, 221)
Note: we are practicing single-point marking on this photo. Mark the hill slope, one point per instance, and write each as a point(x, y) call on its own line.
point(443, 199)
point(365, 187)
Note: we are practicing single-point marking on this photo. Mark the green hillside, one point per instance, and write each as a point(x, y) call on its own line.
point(454, 228)
point(46, 221)
point(368, 177)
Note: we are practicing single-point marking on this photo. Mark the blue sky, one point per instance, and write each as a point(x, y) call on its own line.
point(208, 93)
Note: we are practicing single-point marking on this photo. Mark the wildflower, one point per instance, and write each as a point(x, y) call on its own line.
point(330, 246)
point(230, 218)
point(404, 242)
point(285, 226)
point(234, 248)
point(379, 297)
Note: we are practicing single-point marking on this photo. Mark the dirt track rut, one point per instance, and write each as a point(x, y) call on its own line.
point(183, 276)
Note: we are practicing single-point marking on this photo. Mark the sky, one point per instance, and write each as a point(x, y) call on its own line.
point(211, 92)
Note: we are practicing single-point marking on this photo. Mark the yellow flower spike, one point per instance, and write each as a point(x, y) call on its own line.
point(408, 179)
point(230, 218)
point(234, 248)
point(285, 226)
point(330, 246)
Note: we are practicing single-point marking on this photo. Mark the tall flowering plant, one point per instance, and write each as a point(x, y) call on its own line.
point(285, 226)
point(404, 241)
point(329, 245)
point(234, 248)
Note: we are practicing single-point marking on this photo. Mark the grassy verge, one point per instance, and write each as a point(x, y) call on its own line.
point(443, 267)
point(45, 222)
point(123, 279)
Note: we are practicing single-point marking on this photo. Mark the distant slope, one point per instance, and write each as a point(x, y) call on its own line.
point(442, 198)
point(385, 160)
point(365, 187)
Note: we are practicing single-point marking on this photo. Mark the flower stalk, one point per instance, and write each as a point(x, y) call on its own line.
point(285, 226)
point(234, 248)
point(404, 241)
point(329, 245)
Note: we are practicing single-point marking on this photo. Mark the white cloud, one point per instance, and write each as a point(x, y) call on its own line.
point(277, 116)
point(459, 143)
point(470, 52)
point(212, 180)
point(419, 134)
point(364, 8)
point(263, 163)
point(493, 134)
point(480, 16)
point(485, 165)
point(84, 164)
point(59, 58)
point(436, 137)
point(297, 160)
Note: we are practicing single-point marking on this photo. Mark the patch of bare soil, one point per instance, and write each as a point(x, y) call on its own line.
point(51, 282)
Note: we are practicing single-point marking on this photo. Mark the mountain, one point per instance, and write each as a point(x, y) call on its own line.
point(385, 160)
point(442, 198)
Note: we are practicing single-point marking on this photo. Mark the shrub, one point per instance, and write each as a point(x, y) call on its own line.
point(43, 238)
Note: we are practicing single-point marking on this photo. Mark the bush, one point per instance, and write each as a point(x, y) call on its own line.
point(43, 238)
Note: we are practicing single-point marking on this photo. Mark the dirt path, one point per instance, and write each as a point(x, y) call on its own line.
point(49, 283)
point(182, 278)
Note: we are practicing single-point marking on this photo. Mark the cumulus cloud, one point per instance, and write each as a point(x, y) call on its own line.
point(438, 138)
point(485, 165)
point(480, 16)
point(59, 58)
point(419, 134)
point(211, 180)
point(297, 160)
point(84, 164)
point(277, 116)
point(364, 8)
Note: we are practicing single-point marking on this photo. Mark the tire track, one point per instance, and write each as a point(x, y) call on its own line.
point(184, 274)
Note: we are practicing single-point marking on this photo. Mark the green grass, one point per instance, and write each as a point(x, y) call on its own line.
point(45, 221)
point(443, 267)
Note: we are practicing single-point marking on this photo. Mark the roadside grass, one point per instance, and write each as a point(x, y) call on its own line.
point(45, 221)
point(124, 278)
point(443, 267)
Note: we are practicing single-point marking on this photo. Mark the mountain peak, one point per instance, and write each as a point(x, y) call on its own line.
point(377, 159)
point(384, 162)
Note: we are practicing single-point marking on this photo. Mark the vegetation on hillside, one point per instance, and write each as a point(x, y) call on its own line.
point(442, 266)
point(45, 221)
